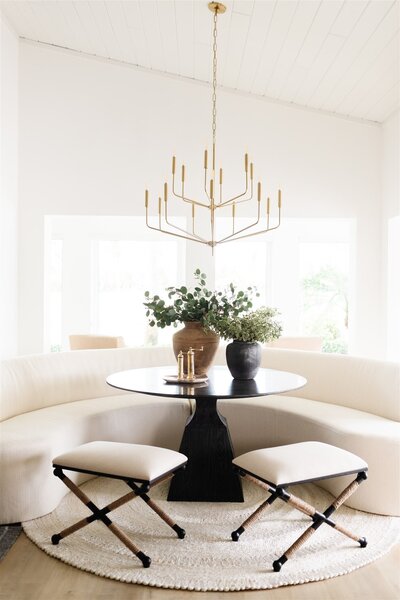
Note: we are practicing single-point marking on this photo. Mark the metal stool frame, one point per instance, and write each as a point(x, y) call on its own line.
point(279, 491)
point(100, 514)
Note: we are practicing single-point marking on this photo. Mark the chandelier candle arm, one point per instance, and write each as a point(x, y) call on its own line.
point(268, 229)
point(214, 197)
point(168, 222)
point(235, 198)
point(228, 238)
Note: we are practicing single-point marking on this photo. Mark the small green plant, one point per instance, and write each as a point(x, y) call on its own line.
point(185, 305)
point(257, 326)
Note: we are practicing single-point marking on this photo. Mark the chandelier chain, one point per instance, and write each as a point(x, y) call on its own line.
point(214, 80)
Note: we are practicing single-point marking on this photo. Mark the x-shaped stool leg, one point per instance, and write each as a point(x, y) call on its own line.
point(304, 507)
point(101, 514)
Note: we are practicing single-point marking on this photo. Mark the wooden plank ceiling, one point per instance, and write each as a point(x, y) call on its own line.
point(340, 56)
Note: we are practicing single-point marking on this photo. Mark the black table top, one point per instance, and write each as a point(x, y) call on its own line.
point(220, 383)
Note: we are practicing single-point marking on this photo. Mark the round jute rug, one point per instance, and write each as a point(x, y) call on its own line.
point(207, 559)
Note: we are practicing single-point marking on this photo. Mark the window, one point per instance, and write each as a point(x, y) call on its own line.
point(124, 270)
point(304, 270)
point(97, 270)
point(324, 272)
point(54, 297)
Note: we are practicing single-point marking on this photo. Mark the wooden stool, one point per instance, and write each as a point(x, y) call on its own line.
point(275, 469)
point(139, 466)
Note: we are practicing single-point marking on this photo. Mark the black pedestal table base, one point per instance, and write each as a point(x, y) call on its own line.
point(209, 476)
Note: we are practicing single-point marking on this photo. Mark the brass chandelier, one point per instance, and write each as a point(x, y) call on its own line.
point(214, 199)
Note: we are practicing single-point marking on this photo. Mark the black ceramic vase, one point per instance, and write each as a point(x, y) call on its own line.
point(243, 359)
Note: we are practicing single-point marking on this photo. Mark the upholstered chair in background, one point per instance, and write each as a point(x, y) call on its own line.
point(91, 341)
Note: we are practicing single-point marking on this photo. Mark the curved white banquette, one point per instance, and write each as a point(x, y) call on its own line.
point(51, 403)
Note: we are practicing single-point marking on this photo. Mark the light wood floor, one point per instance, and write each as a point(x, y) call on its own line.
point(27, 573)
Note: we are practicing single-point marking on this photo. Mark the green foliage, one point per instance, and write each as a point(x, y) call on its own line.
point(185, 305)
point(327, 308)
point(256, 326)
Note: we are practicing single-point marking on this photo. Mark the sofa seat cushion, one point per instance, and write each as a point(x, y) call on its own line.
point(29, 442)
point(277, 420)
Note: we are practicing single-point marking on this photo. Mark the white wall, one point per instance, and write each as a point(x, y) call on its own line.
point(95, 134)
point(8, 189)
point(391, 231)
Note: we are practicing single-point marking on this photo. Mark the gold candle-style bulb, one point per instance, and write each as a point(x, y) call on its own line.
point(173, 165)
point(259, 191)
point(267, 206)
point(212, 188)
point(159, 206)
point(246, 162)
point(165, 191)
point(193, 211)
point(220, 177)
point(279, 198)
point(251, 170)
point(146, 198)
point(233, 210)
point(205, 159)
point(183, 173)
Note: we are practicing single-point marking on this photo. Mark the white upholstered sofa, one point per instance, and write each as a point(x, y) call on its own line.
point(50, 403)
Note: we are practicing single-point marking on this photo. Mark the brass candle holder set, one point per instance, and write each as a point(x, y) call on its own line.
point(190, 374)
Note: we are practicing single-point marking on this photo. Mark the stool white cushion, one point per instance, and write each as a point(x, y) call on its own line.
point(295, 463)
point(135, 461)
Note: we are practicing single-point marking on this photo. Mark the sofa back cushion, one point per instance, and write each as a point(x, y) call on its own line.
point(37, 381)
point(361, 383)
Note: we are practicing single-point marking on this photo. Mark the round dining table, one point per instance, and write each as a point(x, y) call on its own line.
point(209, 475)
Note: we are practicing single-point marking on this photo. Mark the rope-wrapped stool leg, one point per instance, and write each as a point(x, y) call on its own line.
point(159, 511)
point(98, 514)
point(320, 518)
point(253, 517)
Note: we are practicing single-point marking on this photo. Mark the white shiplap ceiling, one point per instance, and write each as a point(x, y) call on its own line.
point(340, 56)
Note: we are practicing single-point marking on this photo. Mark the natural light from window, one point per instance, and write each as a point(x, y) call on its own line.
point(304, 269)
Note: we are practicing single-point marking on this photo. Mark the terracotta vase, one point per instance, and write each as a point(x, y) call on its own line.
point(194, 336)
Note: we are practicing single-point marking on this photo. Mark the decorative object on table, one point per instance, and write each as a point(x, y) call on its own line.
point(198, 380)
point(189, 375)
point(243, 354)
point(213, 191)
point(206, 560)
point(192, 308)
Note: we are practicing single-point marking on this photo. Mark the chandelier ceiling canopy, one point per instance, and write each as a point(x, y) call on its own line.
point(213, 196)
